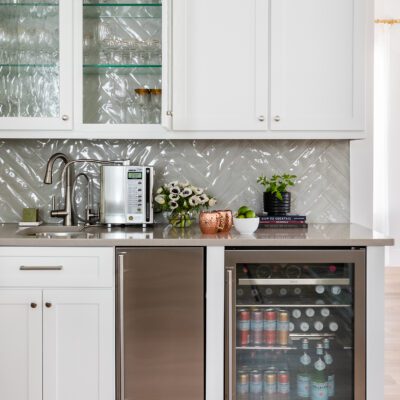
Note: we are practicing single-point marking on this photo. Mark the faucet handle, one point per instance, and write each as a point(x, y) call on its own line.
point(53, 202)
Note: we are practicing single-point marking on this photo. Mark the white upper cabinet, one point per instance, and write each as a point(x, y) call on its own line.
point(36, 65)
point(318, 65)
point(220, 65)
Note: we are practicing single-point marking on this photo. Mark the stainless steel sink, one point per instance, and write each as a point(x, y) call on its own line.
point(57, 231)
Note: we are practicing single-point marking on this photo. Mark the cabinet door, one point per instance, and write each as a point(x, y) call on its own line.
point(118, 53)
point(220, 65)
point(21, 344)
point(35, 65)
point(317, 64)
point(78, 350)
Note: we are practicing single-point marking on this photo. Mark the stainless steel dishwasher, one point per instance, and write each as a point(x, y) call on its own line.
point(160, 323)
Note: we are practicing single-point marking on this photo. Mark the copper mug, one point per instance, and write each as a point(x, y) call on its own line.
point(212, 222)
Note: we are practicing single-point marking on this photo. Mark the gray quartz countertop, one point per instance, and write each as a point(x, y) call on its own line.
point(161, 235)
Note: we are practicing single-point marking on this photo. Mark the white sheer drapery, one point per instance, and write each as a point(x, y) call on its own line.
point(387, 135)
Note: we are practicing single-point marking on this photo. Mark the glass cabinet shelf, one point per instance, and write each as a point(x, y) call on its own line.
point(122, 5)
point(29, 65)
point(122, 69)
point(135, 11)
point(28, 5)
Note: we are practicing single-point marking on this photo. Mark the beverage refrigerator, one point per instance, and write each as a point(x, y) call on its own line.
point(295, 324)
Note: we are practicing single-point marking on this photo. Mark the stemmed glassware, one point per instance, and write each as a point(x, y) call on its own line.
point(156, 105)
point(143, 99)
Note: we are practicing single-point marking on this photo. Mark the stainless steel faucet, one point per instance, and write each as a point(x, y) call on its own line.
point(66, 212)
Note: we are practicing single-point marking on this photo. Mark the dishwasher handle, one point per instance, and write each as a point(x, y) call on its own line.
point(121, 340)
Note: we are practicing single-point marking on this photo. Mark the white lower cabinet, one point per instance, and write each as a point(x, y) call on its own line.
point(21, 344)
point(78, 351)
point(57, 341)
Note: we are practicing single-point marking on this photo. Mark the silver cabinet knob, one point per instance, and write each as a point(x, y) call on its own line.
point(261, 118)
point(277, 118)
point(65, 117)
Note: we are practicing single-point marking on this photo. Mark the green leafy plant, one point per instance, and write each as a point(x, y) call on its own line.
point(277, 184)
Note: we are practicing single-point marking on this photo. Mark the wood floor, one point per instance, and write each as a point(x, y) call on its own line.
point(392, 334)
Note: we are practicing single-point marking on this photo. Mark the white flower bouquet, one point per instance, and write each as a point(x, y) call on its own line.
point(183, 201)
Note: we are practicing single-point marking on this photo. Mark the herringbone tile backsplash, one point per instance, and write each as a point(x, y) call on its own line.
point(227, 169)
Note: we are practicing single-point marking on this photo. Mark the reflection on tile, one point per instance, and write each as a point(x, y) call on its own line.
point(228, 169)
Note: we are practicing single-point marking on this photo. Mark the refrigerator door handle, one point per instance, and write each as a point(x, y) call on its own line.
point(121, 325)
point(230, 322)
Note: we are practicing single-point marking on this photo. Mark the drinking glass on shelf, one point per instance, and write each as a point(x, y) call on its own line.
point(155, 95)
point(88, 48)
point(143, 99)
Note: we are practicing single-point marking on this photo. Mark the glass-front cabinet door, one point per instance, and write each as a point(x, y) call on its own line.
point(295, 326)
point(121, 62)
point(35, 64)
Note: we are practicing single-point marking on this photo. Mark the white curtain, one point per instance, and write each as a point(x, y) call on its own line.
point(387, 136)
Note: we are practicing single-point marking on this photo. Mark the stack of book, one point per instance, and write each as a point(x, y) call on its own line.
point(283, 221)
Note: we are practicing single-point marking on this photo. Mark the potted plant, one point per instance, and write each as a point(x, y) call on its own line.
point(276, 197)
point(183, 201)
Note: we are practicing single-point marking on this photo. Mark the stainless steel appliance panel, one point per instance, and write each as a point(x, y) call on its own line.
point(126, 195)
point(113, 195)
point(161, 330)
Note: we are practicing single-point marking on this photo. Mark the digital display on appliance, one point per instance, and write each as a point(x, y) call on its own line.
point(134, 175)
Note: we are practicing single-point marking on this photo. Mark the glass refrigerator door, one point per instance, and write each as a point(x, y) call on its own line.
point(122, 62)
point(297, 325)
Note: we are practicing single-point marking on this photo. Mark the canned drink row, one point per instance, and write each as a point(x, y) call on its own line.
point(259, 327)
point(271, 384)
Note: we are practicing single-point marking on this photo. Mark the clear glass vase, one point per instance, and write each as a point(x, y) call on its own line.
point(181, 219)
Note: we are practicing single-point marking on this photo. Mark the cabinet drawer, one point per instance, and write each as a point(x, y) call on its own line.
point(56, 266)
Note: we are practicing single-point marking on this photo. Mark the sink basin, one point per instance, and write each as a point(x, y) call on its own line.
point(56, 231)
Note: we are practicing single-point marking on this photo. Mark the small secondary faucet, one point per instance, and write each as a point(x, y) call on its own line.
point(66, 212)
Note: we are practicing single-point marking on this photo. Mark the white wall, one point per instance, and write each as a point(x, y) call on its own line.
point(387, 9)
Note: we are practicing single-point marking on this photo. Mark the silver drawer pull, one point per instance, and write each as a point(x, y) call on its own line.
point(40, 268)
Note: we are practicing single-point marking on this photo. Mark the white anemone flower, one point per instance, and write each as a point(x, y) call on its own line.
point(194, 201)
point(203, 198)
point(160, 199)
point(212, 202)
point(186, 192)
point(174, 196)
point(173, 184)
point(197, 190)
point(175, 190)
point(160, 190)
point(173, 205)
point(184, 184)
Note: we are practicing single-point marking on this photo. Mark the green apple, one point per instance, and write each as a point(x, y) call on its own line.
point(250, 214)
point(243, 210)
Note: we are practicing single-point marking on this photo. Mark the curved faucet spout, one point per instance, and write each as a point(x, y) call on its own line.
point(48, 178)
point(66, 212)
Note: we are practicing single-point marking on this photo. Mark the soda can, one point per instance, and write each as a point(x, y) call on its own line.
point(256, 327)
point(283, 386)
point(243, 324)
point(283, 327)
point(269, 385)
point(256, 385)
point(242, 385)
point(270, 327)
